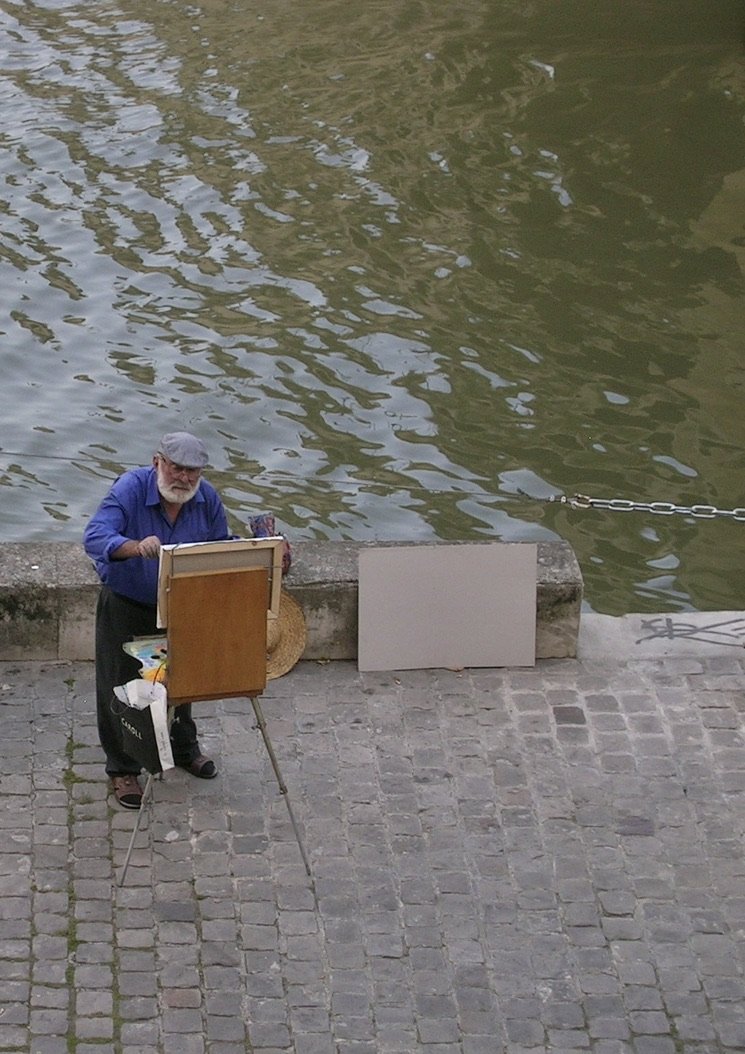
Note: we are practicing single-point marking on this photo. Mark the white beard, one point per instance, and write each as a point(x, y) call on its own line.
point(177, 494)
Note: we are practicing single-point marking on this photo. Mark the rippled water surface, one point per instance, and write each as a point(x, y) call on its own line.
point(410, 268)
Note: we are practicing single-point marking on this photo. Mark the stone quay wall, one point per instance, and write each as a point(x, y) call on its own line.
point(48, 594)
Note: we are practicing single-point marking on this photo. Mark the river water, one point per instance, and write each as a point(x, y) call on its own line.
point(410, 268)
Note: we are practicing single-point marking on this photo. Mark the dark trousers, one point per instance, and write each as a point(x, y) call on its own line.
point(118, 620)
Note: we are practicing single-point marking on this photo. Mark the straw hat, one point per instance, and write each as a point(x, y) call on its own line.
point(285, 637)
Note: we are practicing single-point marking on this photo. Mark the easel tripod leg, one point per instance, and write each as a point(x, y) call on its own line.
point(146, 797)
point(282, 785)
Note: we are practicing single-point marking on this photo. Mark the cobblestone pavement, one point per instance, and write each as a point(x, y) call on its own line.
point(547, 859)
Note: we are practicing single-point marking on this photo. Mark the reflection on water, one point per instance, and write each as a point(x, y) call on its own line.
point(408, 270)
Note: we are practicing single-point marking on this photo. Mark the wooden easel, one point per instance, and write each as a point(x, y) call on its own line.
point(217, 647)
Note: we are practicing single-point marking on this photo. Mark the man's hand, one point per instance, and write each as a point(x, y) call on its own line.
point(147, 547)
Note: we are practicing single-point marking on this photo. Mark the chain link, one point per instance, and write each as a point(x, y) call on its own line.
point(658, 508)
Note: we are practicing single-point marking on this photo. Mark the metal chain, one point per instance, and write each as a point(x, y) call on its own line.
point(659, 508)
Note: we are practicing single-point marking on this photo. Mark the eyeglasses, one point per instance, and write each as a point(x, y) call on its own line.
point(180, 470)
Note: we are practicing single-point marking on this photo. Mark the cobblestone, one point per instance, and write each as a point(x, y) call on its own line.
point(503, 861)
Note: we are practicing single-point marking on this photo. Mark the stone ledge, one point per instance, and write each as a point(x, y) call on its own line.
point(48, 596)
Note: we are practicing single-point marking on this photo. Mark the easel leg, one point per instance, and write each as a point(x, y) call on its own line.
point(282, 785)
point(146, 798)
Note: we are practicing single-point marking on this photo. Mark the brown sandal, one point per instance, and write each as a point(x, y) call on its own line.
point(127, 790)
point(201, 766)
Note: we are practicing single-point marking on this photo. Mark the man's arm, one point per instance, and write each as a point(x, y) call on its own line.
point(146, 547)
point(108, 534)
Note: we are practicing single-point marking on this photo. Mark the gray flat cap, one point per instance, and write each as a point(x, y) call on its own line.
point(184, 449)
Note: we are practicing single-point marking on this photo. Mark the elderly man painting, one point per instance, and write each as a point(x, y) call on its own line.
point(165, 503)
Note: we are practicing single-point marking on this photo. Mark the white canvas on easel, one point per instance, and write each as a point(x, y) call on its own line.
point(447, 606)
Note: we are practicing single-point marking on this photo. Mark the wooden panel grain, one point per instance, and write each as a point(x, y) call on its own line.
point(217, 626)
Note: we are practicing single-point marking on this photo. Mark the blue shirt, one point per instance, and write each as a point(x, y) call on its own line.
point(132, 511)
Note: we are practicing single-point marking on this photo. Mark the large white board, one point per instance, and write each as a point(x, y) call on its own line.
point(451, 606)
